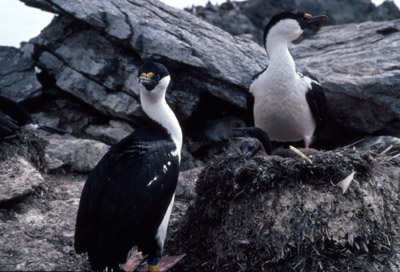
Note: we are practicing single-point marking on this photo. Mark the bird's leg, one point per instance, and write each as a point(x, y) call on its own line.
point(133, 261)
point(166, 262)
point(307, 141)
point(153, 265)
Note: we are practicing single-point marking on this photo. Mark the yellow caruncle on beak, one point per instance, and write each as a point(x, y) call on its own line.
point(148, 75)
point(307, 16)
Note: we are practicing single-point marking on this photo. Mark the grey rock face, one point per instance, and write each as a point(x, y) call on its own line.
point(358, 66)
point(18, 178)
point(94, 56)
point(210, 59)
point(81, 155)
point(114, 132)
point(17, 75)
point(87, 65)
point(251, 17)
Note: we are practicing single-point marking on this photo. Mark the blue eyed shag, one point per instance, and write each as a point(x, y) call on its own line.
point(128, 197)
point(287, 105)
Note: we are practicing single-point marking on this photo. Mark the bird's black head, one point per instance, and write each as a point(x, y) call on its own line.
point(290, 24)
point(152, 74)
point(258, 134)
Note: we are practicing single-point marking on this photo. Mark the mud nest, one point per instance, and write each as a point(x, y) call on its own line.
point(284, 214)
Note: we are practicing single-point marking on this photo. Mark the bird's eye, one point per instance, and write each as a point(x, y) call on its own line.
point(301, 19)
point(156, 77)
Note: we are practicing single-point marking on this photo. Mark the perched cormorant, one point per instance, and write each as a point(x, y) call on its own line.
point(286, 104)
point(128, 197)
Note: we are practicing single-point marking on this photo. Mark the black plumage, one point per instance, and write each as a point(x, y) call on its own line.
point(118, 207)
point(127, 198)
point(316, 101)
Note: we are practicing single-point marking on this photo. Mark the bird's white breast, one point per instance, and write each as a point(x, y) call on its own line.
point(280, 107)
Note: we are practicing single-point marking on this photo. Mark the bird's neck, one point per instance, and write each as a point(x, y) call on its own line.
point(280, 56)
point(159, 111)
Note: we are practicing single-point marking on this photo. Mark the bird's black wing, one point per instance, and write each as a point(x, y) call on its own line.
point(316, 99)
point(15, 110)
point(250, 109)
point(250, 101)
point(125, 198)
point(7, 125)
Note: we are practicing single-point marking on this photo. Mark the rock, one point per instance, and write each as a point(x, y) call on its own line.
point(358, 67)
point(211, 82)
point(194, 52)
point(81, 155)
point(18, 178)
point(251, 17)
point(276, 214)
point(46, 120)
point(18, 80)
point(229, 17)
point(112, 133)
point(81, 77)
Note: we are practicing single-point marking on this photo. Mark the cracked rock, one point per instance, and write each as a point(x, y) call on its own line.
point(17, 178)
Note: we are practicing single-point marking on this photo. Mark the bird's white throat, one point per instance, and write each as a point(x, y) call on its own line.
point(156, 107)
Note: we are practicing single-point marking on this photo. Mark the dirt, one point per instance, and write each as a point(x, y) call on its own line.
point(38, 231)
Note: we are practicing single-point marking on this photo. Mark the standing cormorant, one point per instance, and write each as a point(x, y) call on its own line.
point(128, 197)
point(287, 105)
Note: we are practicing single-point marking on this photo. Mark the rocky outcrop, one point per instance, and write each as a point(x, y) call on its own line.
point(80, 155)
point(18, 80)
point(18, 178)
point(358, 66)
point(94, 57)
point(196, 56)
point(251, 17)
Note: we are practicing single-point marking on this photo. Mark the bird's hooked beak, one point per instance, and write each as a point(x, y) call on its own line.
point(309, 19)
point(147, 81)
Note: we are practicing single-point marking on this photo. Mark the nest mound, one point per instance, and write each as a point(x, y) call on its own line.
point(25, 143)
point(284, 214)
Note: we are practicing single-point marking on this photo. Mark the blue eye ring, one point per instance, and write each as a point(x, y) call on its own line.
point(156, 77)
point(301, 19)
